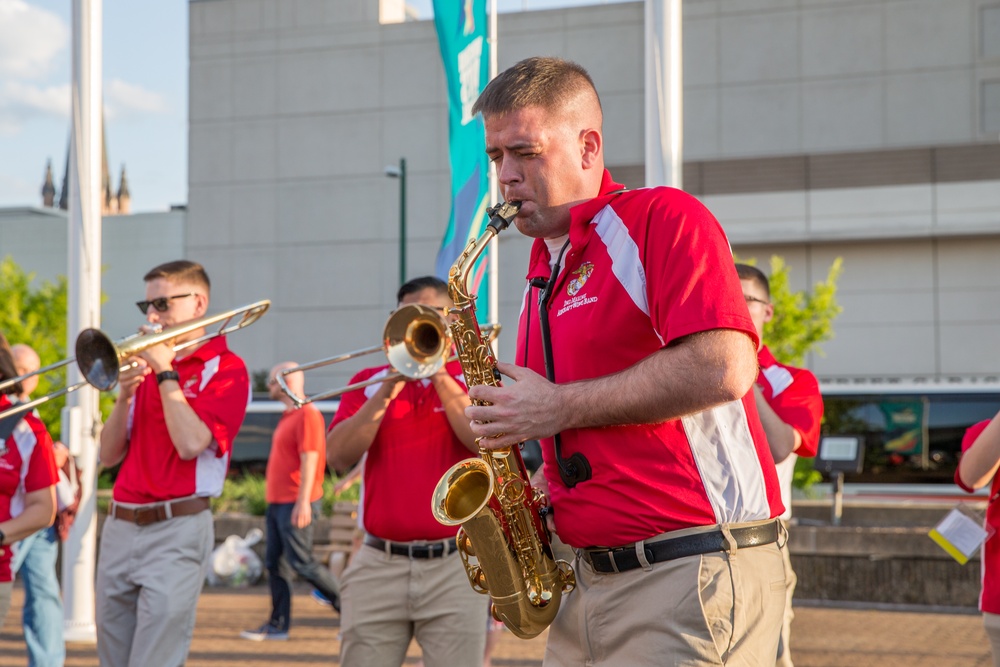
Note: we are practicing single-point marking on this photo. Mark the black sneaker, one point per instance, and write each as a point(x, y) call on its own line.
point(265, 632)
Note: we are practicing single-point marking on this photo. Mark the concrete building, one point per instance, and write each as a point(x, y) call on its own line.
point(37, 239)
point(861, 129)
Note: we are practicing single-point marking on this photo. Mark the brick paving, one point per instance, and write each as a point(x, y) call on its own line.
point(822, 636)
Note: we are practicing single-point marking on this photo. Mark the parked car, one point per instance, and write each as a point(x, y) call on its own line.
point(253, 442)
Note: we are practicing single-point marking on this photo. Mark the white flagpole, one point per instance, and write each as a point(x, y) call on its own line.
point(494, 254)
point(664, 93)
point(81, 417)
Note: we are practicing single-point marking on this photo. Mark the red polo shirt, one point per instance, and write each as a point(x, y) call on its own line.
point(646, 268)
point(26, 464)
point(793, 394)
point(413, 448)
point(989, 597)
point(216, 386)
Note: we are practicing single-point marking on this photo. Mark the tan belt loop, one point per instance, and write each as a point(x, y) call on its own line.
point(727, 535)
point(640, 553)
point(168, 510)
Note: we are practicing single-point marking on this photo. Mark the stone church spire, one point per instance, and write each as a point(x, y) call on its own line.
point(48, 188)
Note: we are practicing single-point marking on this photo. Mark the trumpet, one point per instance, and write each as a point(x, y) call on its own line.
point(100, 359)
point(416, 341)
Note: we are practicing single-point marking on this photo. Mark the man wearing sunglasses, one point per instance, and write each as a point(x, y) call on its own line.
point(171, 431)
point(791, 409)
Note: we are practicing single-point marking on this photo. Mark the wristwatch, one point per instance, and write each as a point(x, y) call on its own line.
point(3, 538)
point(167, 375)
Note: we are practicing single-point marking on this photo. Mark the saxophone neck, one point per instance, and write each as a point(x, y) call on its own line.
point(500, 217)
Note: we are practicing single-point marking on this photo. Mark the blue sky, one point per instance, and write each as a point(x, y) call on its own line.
point(145, 94)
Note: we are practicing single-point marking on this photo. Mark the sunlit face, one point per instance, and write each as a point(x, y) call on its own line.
point(429, 297)
point(24, 363)
point(540, 159)
point(759, 305)
point(179, 310)
point(294, 381)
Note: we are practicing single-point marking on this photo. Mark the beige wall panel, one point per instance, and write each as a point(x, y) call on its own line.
point(330, 80)
point(255, 86)
point(256, 220)
point(863, 211)
point(841, 115)
point(411, 74)
point(912, 26)
point(702, 133)
point(761, 119)
point(878, 351)
point(349, 278)
point(330, 145)
point(881, 266)
point(211, 75)
point(701, 52)
point(842, 41)
point(209, 222)
point(969, 263)
point(749, 218)
point(255, 150)
point(759, 48)
point(210, 153)
point(965, 205)
point(944, 99)
point(970, 306)
point(338, 210)
point(970, 349)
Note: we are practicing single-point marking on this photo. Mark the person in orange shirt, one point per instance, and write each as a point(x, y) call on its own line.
point(293, 491)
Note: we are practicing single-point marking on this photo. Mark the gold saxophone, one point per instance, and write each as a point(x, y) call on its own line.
point(491, 496)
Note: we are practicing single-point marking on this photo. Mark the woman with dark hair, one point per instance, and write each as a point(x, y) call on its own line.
point(27, 475)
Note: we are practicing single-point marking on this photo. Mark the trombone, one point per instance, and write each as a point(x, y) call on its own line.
point(416, 340)
point(100, 358)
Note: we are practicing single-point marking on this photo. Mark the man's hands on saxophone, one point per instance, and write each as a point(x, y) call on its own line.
point(526, 409)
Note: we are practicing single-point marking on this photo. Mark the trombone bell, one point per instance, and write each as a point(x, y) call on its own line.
point(417, 341)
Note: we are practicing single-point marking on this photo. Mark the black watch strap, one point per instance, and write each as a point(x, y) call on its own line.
point(167, 375)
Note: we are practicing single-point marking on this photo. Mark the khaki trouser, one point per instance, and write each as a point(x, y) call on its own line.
point(148, 582)
point(6, 589)
point(387, 600)
point(992, 624)
point(784, 646)
point(712, 609)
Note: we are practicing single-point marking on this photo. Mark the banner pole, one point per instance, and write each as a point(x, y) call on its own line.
point(494, 253)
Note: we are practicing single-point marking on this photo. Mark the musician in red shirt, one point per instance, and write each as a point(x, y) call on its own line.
point(27, 475)
point(171, 430)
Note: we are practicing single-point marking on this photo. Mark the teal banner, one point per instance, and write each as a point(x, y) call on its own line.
point(462, 36)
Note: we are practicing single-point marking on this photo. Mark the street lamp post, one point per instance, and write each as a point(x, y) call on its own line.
point(400, 173)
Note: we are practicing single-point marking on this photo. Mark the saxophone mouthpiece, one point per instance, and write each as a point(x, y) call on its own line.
point(502, 214)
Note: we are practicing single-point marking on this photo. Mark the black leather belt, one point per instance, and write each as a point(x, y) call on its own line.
point(621, 559)
point(413, 549)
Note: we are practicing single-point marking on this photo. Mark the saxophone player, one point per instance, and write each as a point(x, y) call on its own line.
point(635, 358)
point(407, 579)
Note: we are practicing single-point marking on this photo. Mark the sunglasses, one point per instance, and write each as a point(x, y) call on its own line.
point(160, 303)
point(753, 299)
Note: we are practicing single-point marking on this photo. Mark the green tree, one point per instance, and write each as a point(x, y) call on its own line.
point(802, 320)
point(36, 315)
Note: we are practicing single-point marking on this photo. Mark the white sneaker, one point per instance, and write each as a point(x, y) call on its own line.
point(265, 632)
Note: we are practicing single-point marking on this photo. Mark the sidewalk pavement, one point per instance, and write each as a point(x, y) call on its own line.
point(822, 636)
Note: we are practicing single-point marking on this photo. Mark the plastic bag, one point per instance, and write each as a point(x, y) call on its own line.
point(234, 563)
